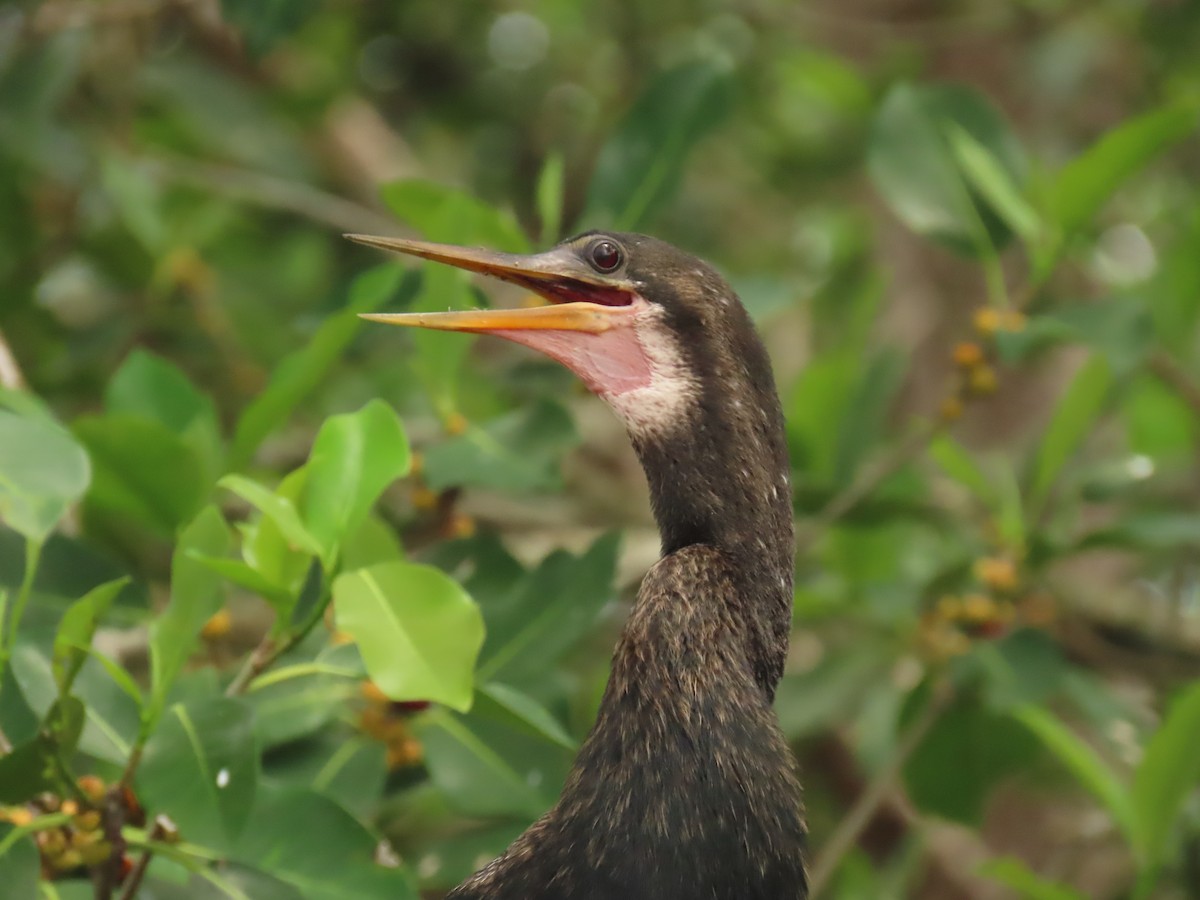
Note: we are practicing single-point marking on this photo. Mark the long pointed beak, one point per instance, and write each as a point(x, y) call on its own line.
point(555, 275)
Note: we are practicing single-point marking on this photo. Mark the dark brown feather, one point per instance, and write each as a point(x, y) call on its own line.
point(685, 787)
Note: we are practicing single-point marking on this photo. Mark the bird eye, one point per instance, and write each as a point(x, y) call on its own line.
point(605, 256)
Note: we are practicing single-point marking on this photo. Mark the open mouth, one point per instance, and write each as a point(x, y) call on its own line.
point(579, 299)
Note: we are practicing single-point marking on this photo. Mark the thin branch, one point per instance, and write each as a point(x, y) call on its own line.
point(259, 659)
point(134, 880)
point(272, 192)
point(847, 833)
point(863, 486)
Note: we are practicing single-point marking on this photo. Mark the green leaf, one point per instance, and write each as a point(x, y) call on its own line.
point(20, 863)
point(335, 861)
point(354, 457)
point(42, 472)
point(1159, 422)
point(418, 631)
point(200, 767)
point(915, 169)
point(1082, 762)
point(298, 707)
point(278, 509)
point(264, 24)
point(507, 704)
point(196, 594)
point(518, 451)
point(251, 579)
point(351, 771)
point(546, 613)
point(232, 881)
point(1167, 775)
point(269, 552)
point(25, 771)
point(639, 168)
point(76, 629)
point(862, 426)
point(966, 752)
point(988, 176)
point(1085, 183)
point(549, 195)
point(151, 387)
point(1022, 668)
point(1075, 415)
point(302, 372)
point(108, 721)
point(956, 461)
point(483, 768)
point(450, 215)
point(1013, 873)
point(374, 541)
point(142, 470)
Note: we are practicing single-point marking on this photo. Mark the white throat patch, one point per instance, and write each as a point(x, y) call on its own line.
point(665, 402)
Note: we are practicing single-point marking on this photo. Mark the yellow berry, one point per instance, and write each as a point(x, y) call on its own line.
point(371, 691)
point(997, 573)
point(951, 410)
point(88, 820)
point(982, 380)
point(67, 860)
point(18, 815)
point(462, 526)
point(51, 842)
point(424, 499)
point(374, 721)
point(92, 787)
point(217, 626)
point(987, 321)
point(456, 423)
point(96, 852)
point(978, 608)
point(949, 608)
point(967, 354)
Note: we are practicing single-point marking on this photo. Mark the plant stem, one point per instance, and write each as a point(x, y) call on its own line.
point(9, 627)
point(862, 487)
point(134, 881)
point(848, 830)
point(269, 650)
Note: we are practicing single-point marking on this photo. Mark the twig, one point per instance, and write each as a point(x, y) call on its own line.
point(5, 743)
point(863, 486)
point(269, 649)
point(10, 372)
point(851, 827)
point(272, 192)
point(259, 659)
point(134, 881)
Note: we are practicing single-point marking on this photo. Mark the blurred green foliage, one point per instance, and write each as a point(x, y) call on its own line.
point(307, 610)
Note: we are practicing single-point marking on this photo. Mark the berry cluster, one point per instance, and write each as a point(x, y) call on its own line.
point(984, 613)
point(77, 838)
point(974, 360)
point(386, 720)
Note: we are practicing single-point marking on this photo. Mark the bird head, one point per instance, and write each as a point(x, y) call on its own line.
point(639, 321)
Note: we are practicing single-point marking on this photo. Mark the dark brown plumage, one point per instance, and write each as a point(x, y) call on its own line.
point(685, 787)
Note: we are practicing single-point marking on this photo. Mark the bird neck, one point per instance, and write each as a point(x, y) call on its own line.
point(722, 480)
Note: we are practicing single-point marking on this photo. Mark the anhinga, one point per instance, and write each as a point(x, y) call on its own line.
point(685, 787)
